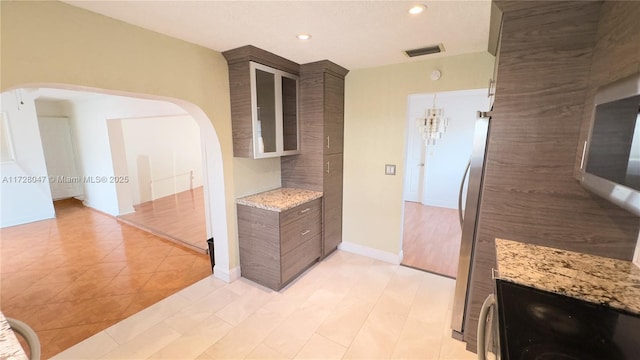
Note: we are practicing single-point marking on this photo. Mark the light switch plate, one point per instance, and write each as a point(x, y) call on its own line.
point(389, 169)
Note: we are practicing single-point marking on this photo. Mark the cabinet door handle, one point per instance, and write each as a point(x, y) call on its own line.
point(491, 83)
point(305, 210)
point(328, 142)
point(305, 232)
point(328, 167)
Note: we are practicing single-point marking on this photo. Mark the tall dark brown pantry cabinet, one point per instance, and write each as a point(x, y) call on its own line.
point(319, 166)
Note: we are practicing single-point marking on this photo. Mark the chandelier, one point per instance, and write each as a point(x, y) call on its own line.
point(433, 125)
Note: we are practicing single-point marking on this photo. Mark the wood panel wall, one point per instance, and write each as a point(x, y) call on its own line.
point(530, 193)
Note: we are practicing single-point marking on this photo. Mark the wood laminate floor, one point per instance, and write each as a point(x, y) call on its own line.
point(178, 217)
point(74, 276)
point(431, 239)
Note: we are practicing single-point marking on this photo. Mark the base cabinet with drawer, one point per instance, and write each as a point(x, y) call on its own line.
point(276, 247)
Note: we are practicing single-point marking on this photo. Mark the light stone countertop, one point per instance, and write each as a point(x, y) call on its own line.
point(10, 348)
point(610, 282)
point(279, 199)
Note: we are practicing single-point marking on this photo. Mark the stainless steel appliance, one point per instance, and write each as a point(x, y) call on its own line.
point(469, 221)
point(610, 165)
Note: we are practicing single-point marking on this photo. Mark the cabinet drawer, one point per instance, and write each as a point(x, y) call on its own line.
point(295, 233)
point(300, 258)
point(300, 224)
point(301, 211)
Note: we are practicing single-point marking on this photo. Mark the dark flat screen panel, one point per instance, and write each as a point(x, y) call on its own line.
point(539, 325)
point(614, 148)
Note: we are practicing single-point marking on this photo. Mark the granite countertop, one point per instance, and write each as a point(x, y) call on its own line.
point(279, 199)
point(599, 280)
point(10, 348)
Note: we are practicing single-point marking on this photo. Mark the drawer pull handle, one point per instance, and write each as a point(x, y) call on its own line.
point(305, 210)
point(328, 143)
point(305, 232)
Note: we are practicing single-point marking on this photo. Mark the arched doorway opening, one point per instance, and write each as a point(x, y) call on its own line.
point(212, 167)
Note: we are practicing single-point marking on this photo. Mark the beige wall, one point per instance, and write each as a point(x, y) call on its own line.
point(253, 176)
point(48, 42)
point(376, 106)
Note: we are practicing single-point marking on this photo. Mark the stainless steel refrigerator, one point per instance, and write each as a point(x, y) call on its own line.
point(469, 221)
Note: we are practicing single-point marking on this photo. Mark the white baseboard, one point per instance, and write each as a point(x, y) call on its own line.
point(227, 276)
point(371, 252)
point(440, 203)
point(7, 221)
point(89, 205)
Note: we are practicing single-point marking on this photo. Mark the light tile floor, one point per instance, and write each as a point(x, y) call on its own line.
point(345, 307)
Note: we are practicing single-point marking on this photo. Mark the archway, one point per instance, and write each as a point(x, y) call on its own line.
point(213, 175)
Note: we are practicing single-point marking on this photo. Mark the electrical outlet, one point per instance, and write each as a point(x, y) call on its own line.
point(389, 169)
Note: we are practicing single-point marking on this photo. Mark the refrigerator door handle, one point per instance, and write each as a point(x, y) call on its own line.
point(470, 225)
point(480, 115)
point(464, 177)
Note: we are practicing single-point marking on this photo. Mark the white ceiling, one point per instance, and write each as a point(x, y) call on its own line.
point(354, 34)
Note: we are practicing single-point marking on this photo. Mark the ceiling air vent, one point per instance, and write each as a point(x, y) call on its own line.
point(434, 49)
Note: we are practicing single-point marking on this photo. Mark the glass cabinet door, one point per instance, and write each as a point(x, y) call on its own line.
point(274, 101)
point(289, 114)
point(265, 126)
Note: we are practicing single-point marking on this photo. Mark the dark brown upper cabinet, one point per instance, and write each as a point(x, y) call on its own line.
point(264, 91)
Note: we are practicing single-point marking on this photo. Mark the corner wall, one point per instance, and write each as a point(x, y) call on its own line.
point(25, 195)
point(161, 154)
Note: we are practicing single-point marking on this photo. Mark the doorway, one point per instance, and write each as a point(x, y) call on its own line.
point(433, 180)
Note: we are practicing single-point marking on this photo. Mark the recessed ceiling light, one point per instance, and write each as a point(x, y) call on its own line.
point(304, 36)
point(417, 9)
